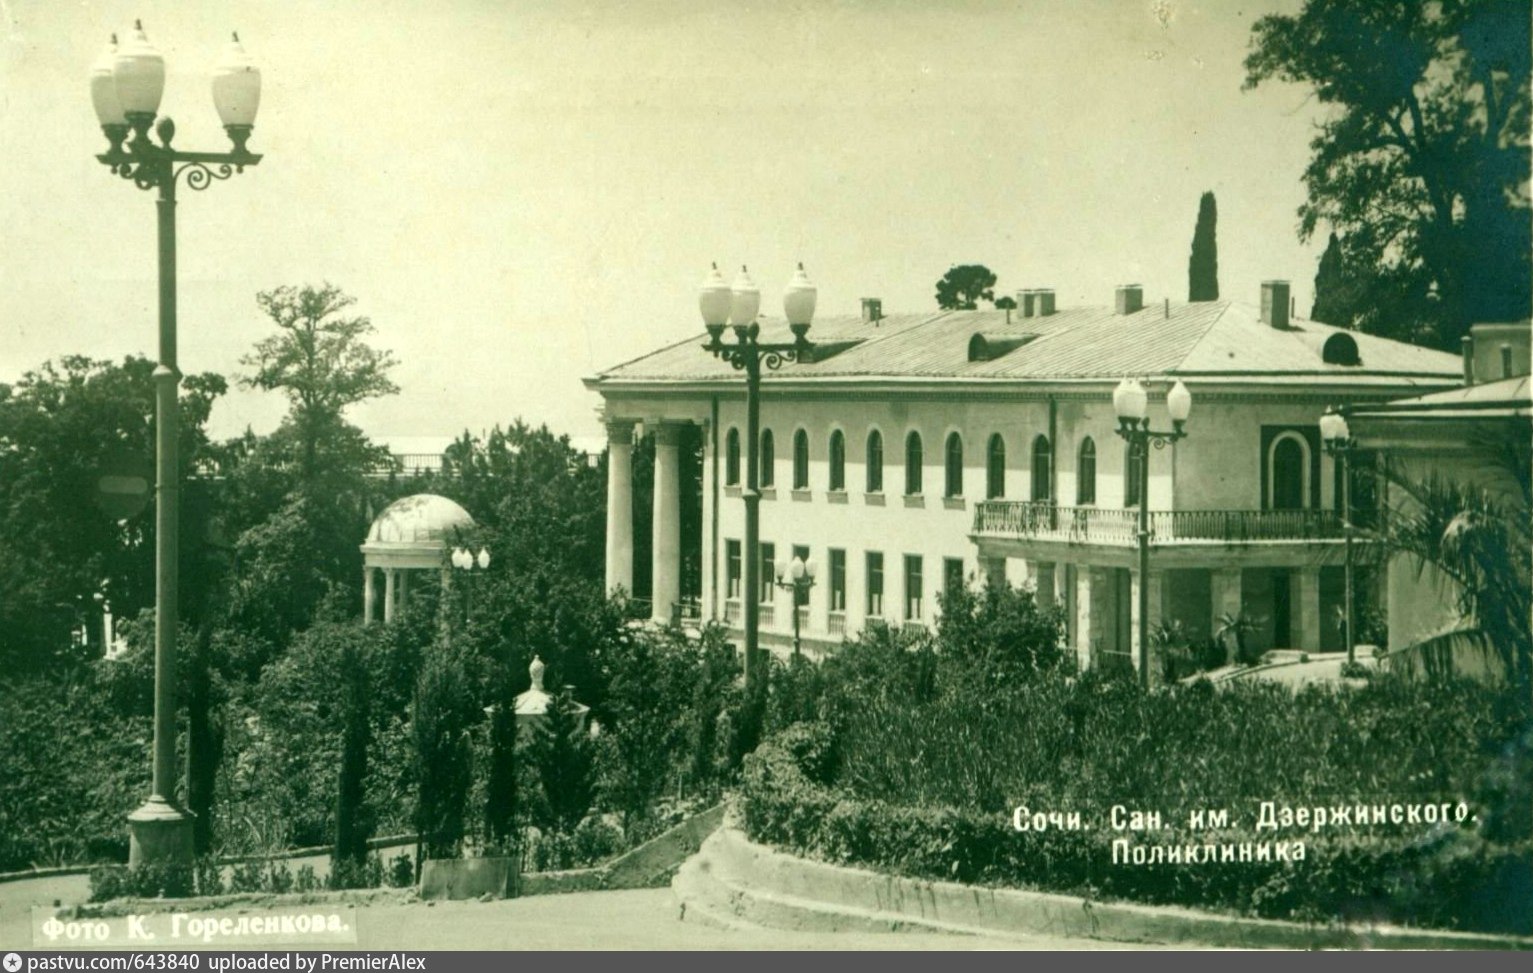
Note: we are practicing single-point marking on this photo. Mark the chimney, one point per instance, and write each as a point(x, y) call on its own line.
point(1466, 347)
point(872, 310)
point(1026, 300)
point(1130, 298)
point(1044, 296)
point(1275, 303)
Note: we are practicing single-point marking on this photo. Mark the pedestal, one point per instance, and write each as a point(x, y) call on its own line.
point(160, 833)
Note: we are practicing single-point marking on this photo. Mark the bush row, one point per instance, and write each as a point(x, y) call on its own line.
point(1448, 878)
point(206, 877)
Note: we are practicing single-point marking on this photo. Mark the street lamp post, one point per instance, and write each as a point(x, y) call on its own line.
point(466, 561)
point(1132, 404)
point(126, 85)
point(1338, 441)
point(738, 306)
point(797, 577)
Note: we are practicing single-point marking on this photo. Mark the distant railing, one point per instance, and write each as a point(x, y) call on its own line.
point(1120, 526)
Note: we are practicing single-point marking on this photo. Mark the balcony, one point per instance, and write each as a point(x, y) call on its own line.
point(1119, 527)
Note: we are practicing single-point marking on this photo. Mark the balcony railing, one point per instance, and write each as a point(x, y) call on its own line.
point(1120, 526)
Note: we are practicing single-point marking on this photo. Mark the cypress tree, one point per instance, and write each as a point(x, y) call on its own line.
point(1331, 288)
point(1203, 264)
point(561, 752)
point(500, 793)
point(351, 827)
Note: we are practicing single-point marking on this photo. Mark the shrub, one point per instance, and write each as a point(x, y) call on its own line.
point(352, 874)
point(1352, 669)
point(926, 789)
point(401, 870)
point(147, 881)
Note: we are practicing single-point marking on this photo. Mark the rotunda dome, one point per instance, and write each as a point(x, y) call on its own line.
point(421, 518)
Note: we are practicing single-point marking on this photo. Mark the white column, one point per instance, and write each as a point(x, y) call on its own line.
point(369, 595)
point(1088, 614)
point(665, 574)
point(402, 591)
point(620, 506)
point(388, 594)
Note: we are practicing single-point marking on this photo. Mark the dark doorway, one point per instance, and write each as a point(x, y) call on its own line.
point(1282, 608)
point(1288, 474)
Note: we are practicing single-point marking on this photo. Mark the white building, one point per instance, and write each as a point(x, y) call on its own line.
point(916, 450)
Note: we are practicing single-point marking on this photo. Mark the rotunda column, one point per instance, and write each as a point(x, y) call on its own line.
point(369, 594)
point(388, 594)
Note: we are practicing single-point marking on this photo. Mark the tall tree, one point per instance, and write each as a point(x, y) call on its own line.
point(319, 360)
point(63, 427)
point(1339, 299)
point(964, 286)
point(1422, 162)
point(1203, 264)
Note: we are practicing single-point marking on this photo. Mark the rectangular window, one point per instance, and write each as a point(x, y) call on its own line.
point(913, 594)
point(952, 574)
point(837, 580)
point(733, 569)
point(875, 584)
point(768, 571)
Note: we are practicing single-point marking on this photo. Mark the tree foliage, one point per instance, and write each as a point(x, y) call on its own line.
point(62, 427)
point(561, 755)
point(1422, 161)
point(964, 286)
point(999, 634)
point(1203, 263)
point(1481, 538)
point(320, 362)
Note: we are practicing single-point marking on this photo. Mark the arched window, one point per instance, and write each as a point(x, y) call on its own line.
point(1086, 473)
point(1043, 457)
point(768, 459)
point(1288, 473)
point(732, 458)
point(995, 468)
point(837, 460)
point(800, 460)
point(953, 481)
point(875, 462)
point(914, 458)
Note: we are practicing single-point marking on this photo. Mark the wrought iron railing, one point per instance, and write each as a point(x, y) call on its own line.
point(1108, 525)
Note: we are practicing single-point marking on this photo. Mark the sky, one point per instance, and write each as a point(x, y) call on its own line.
point(520, 193)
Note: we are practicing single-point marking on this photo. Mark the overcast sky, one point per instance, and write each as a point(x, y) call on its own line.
point(521, 193)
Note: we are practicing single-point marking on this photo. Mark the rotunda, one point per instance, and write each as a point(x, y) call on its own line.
point(410, 535)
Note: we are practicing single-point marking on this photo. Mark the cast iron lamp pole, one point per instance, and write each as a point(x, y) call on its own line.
point(738, 307)
point(466, 561)
point(125, 87)
point(797, 577)
point(1338, 441)
point(1132, 404)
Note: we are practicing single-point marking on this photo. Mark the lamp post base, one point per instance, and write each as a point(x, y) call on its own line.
point(159, 833)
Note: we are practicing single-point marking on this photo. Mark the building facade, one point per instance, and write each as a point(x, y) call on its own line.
point(1479, 436)
point(914, 452)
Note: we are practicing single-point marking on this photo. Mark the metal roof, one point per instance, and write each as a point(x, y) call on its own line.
point(1214, 339)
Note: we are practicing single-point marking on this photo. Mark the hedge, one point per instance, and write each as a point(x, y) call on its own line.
point(1449, 878)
